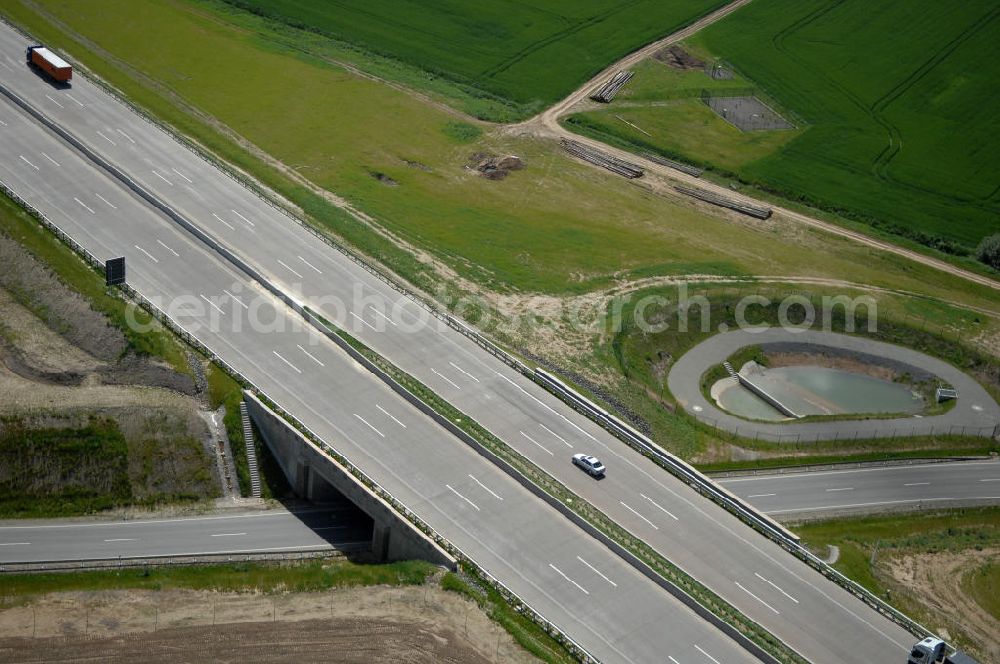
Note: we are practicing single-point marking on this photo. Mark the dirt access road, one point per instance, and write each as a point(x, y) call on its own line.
point(547, 124)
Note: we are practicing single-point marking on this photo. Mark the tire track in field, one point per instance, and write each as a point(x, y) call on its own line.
point(883, 160)
point(779, 39)
point(558, 36)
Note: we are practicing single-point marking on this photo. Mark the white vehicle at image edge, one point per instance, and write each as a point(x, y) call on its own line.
point(592, 465)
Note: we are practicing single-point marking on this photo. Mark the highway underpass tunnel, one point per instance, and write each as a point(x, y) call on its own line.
point(333, 517)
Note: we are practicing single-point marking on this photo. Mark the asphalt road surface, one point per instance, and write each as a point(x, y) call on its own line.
point(974, 413)
point(597, 599)
point(248, 532)
point(581, 586)
point(934, 485)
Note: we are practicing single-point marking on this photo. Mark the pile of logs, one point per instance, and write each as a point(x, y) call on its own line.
point(602, 159)
point(722, 201)
point(608, 91)
point(676, 165)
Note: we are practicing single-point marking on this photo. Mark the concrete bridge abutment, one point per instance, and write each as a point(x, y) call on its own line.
point(315, 475)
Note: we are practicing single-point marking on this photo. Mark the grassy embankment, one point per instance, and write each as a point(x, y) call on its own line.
point(893, 130)
point(868, 546)
point(71, 463)
point(644, 359)
point(80, 277)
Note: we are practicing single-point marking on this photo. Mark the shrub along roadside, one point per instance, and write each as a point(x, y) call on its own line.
point(83, 279)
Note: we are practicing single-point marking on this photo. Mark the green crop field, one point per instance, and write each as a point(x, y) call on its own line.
point(556, 227)
point(898, 102)
point(530, 53)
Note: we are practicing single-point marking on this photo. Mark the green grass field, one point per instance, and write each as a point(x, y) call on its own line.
point(984, 585)
point(530, 53)
point(865, 542)
point(898, 104)
point(643, 358)
point(557, 227)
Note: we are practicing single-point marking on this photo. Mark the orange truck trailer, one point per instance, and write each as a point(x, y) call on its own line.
point(55, 67)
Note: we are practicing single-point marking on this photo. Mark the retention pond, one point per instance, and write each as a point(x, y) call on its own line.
point(812, 390)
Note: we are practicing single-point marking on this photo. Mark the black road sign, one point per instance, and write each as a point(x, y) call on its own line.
point(114, 271)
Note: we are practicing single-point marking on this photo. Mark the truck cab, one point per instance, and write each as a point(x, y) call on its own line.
point(928, 651)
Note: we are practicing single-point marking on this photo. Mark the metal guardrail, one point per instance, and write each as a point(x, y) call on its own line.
point(509, 595)
point(761, 522)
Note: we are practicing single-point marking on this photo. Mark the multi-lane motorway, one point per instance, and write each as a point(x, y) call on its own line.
point(594, 596)
point(577, 583)
point(870, 489)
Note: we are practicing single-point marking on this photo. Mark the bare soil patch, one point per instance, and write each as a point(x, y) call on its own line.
point(676, 57)
point(936, 580)
point(375, 624)
point(494, 167)
point(36, 290)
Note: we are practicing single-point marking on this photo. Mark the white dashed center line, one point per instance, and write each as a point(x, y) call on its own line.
point(543, 448)
point(217, 307)
point(164, 246)
point(107, 202)
point(663, 509)
point(393, 417)
point(318, 271)
point(757, 598)
point(149, 255)
point(369, 425)
point(556, 435)
point(463, 497)
point(231, 227)
point(181, 175)
point(638, 515)
point(445, 378)
point(285, 265)
point(560, 572)
point(310, 356)
point(276, 354)
point(485, 488)
point(594, 570)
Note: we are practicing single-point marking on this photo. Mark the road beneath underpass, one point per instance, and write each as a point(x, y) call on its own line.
point(271, 531)
point(791, 495)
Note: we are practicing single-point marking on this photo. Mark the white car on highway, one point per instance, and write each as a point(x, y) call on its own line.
point(592, 465)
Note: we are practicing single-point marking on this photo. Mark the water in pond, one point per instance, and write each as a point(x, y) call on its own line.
point(816, 391)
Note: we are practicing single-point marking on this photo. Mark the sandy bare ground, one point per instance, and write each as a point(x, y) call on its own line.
point(935, 579)
point(19, 395)
point(40, 347)
point(380, 624)
point(546, 124)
